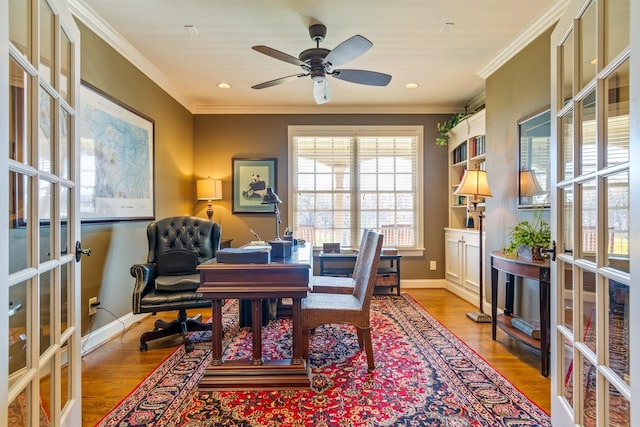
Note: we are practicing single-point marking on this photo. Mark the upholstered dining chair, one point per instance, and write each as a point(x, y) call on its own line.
point(324, 308)
point(168, 280)
point(340, 285)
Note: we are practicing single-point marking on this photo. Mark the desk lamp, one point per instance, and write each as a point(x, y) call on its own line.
point(474, 183)
point(272, 198)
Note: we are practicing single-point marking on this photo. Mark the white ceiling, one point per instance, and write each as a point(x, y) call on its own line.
point(449, 66)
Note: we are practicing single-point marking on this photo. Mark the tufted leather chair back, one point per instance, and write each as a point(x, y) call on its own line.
point(184, 232)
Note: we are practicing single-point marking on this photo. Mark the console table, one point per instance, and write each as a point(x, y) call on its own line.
point(521, 267)
point(282, 278)
point(341, 264)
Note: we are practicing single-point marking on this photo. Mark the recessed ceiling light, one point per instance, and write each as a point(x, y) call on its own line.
point(224, 85)
point(411, 85)
point(191, 29)
point(447, 27)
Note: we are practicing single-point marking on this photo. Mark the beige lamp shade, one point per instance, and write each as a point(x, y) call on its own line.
point(529, 185)
point(474, 183)
point(209, 189)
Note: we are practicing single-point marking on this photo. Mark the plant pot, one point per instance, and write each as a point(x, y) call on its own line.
point(533, 253)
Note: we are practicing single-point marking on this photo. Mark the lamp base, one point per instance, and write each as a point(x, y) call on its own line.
point(478, 317)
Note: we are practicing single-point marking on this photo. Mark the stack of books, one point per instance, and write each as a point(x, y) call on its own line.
point(529, 327)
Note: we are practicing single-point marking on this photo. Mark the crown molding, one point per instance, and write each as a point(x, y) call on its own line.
point(91, 19)
point(326, 109)
point(530, 33)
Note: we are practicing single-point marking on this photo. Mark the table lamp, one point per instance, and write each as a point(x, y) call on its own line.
point(209, 189)
point(474, 183)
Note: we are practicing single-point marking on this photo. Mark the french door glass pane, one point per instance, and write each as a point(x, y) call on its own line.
point(589, 395)
point(618, 413)
point(617, 115)
point(18, 344)
point(617, 187)
point(19, 225)
point(65, 384)
point(46, 42)
point(46, 306)
point(45, 213)
point(567, 146)
point(65, 291)
point(588, 38)
point(566, 351)
point(567, 220)
point(566, 315)
point(618, 343)
point(589, 324)
point(65, 66)
point(588, 138)
point(588, 219)
point(45, 131)
point(65, 205)
point(616, 27)
point(65, 145)
point(567, 69)
point(46, 394)
point(19, 25)
point(18, 104)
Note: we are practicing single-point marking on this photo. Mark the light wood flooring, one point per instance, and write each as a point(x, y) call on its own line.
point(111, 372)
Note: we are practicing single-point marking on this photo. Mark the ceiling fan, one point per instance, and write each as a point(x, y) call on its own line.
point(319, 62)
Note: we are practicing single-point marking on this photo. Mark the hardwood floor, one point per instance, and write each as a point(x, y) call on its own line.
point(111, 372)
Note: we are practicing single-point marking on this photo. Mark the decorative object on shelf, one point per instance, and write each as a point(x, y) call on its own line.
point(271, 198)
point(530, 239)
point(209, 189)
point(251, 177)
point(475, 184)
point(445, 127)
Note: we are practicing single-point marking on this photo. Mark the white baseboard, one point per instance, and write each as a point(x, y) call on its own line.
point(422, 284)
point(98, 337)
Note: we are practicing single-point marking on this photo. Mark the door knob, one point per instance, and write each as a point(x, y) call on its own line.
point(80, 251)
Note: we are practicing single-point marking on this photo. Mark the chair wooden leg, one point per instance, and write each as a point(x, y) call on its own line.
point(368, 347)
point(361, 337)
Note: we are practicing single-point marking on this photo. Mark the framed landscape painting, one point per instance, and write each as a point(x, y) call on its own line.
point(251, 177)
point(116, 159)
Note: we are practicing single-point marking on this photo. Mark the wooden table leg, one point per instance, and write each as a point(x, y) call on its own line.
point(510, 293)
point(544, 323)
point(494, 301)
point(216, 332)
point(296, 320)
point(256, 330)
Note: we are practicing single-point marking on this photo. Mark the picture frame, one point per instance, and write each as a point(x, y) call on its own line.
point(116, 159)
point(534, 160)
point(251, 177)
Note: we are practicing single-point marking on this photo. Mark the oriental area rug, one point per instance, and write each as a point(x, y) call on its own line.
point(424, 376)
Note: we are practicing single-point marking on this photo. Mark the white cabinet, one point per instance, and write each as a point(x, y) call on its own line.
point(462, 263)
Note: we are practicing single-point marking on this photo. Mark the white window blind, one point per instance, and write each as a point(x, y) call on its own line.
point(344, 180)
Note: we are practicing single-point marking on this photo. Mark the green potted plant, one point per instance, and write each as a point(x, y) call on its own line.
point(527, 239)
point(445, 127)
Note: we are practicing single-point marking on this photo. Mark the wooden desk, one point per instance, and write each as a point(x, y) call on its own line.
point(282, 278)
point(341, 264)
point(521, 267)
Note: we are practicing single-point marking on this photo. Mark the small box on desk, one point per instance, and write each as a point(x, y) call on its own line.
point(280, 248)
point(246, 255)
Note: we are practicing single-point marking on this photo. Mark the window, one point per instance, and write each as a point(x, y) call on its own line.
point(345, 179)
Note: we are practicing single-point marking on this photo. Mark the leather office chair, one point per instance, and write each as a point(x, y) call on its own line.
point(323, 308)
point(169, 280)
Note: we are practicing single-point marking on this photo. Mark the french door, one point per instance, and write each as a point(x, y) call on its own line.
point(39, 224)
point(591, 100)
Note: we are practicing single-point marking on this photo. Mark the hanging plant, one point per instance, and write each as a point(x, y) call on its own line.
point(445, 127)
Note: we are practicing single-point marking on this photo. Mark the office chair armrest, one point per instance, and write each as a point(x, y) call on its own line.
point(145, 275)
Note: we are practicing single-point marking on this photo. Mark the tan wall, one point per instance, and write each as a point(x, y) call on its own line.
point(219, 138)
point(520, 87)
point(117, 245)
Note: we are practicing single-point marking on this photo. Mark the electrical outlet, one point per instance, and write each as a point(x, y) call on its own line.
point(432, 265)
point(93, 306)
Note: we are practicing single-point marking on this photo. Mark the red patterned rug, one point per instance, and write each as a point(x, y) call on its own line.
point(424, 376)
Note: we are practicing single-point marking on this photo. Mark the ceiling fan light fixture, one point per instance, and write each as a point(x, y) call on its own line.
point(411, 85)
point(321, 90)
point(223, 85)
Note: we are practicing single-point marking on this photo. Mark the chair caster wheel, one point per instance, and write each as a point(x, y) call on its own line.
point(188, 347)
point(143, 346)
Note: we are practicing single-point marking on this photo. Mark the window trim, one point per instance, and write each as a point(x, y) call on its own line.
point(367, 131)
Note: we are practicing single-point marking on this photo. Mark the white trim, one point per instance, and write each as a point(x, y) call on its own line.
point(422, 284)
point(326, 109)
point(100, 336)
point(529, 34)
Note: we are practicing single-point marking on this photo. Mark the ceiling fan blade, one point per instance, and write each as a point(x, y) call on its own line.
point(278, 55)
point(321, 90)
point(278, 81)
point(363, 77)
point(346, 51)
